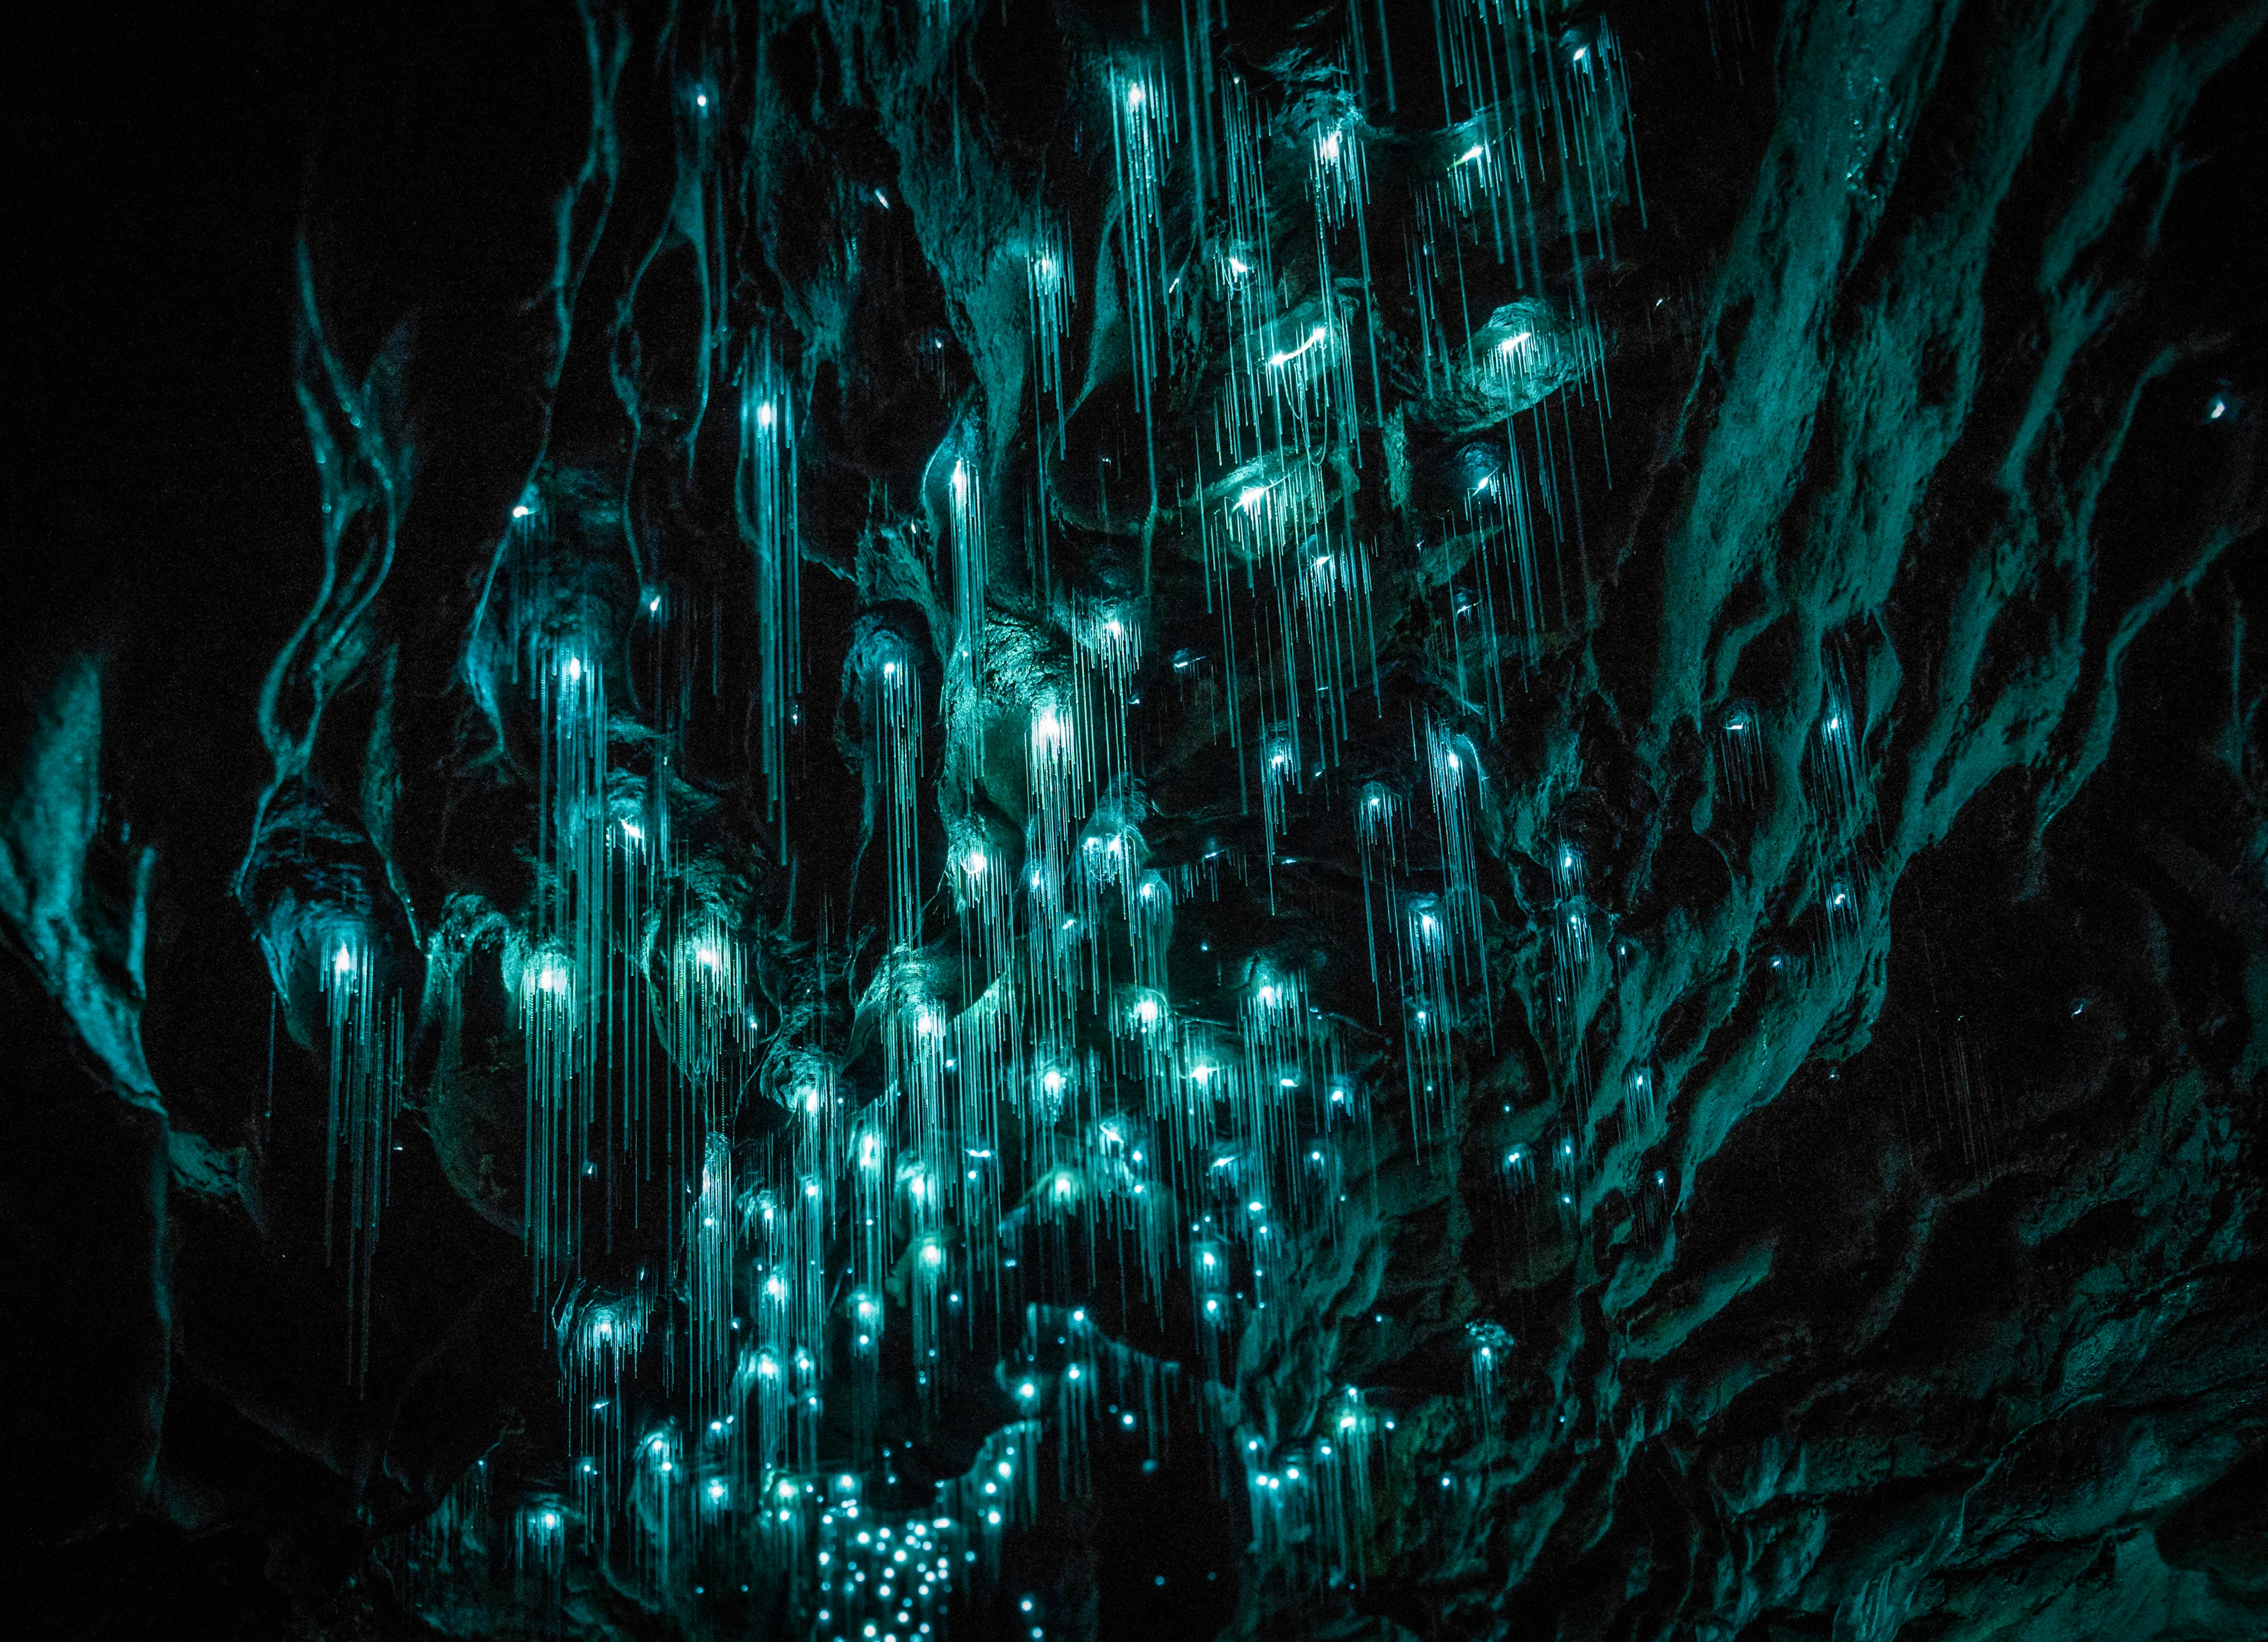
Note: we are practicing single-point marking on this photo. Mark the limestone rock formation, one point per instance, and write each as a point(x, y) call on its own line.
point(1084, 820)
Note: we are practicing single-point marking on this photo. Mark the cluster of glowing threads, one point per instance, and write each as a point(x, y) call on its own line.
point(1242, 1133)
point(366, 1047)
point(766, 505)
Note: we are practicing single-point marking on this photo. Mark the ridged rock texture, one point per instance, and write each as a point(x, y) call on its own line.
point(1381, 821)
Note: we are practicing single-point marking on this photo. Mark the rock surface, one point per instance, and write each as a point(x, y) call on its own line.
point(1849, 1153)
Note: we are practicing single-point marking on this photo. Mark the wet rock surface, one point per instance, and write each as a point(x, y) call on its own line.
point(600, 549)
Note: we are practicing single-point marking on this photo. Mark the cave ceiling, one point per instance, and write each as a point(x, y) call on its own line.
point(997, 819)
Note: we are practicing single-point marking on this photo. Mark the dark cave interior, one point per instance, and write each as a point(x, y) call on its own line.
point(1362, 821)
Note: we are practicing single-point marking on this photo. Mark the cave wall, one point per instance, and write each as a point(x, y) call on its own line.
point(1836, 1218)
